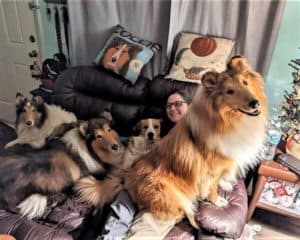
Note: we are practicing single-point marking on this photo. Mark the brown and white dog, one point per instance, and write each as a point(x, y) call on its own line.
point(38, 121)
point(28, 177)
point(118, 55)
point(218, 138)
point(148, 135)
point(93, 191)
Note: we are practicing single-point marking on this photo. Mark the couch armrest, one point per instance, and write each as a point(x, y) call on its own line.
point(227, 221)
point(23, 228)
point(64, 219)
point(290, 161)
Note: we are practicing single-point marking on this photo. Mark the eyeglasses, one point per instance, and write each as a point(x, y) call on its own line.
point(176, 104)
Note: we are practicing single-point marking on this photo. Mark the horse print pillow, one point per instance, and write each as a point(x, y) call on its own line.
point(126, 54)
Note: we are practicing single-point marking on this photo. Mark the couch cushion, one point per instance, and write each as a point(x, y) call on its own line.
point(197, 54)
point(182, 231)
point(87, 91)
point(227, 221)
point(126, 54)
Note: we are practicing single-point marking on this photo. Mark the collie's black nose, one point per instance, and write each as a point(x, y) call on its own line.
point(254, 104)
point(150, 135)
point(114, 59)
point(29, 123)
point(115, 147)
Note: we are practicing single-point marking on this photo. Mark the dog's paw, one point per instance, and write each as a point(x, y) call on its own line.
point(98, 192)
point(221, 202)
point(33, 206)
point(37, 144)
point(114, 183)
point(8, 145)
point(192, 221)
point(85, 188)
point(226, 185)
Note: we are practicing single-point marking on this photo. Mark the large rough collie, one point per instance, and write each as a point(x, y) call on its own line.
point(218, 138)
point(28, 177)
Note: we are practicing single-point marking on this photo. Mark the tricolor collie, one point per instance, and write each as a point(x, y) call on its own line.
point(217, 139)
point(92, 190)
point(38, 121)
point(27, 178)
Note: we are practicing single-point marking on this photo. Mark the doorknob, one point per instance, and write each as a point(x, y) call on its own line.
point(33, 54)
point(33, 6)
point(32, 38)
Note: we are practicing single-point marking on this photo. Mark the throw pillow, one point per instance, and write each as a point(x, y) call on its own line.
point(197, 54)
point(126, 54)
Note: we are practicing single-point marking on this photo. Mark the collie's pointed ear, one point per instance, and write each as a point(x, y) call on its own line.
point(106, 114)
point(238, 64)
point(18, 94)
point(38, 100)
point(209, 80)
point(20, 99)
point(83, 128)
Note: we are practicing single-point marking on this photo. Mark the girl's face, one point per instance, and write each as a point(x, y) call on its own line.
point(176, 107)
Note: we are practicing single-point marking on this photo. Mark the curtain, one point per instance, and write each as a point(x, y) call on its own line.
point(253, 24)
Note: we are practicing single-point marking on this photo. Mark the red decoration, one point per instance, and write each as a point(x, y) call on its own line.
point(280, 191)
point(203, 46)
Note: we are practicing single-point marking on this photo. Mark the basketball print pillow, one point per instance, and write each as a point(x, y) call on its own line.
point(126, 54)
point(197, 54)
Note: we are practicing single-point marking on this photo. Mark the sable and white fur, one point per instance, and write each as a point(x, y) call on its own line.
point(220, 135)
point(92, 190)
point(38, 121)
point(148, 131)
point(28, 177)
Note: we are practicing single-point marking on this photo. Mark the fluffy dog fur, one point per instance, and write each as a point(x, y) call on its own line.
point(148, 134)
point(38, 122)
point(28, 177)
point(92, 190)
point(220, 134)
point(101, 191)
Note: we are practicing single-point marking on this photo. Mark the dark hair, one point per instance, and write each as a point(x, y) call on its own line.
point(184, 94)
point(167, 123)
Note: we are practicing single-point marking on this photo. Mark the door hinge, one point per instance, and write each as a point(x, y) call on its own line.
point(33, 6)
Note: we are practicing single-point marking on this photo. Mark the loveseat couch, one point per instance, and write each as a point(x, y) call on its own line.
point(87, 91)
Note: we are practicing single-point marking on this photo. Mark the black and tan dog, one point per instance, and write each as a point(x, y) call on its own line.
point(28, 178)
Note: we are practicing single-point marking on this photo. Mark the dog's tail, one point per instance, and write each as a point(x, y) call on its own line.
point(98, 192)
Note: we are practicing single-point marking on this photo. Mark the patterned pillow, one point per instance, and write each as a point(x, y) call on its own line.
point(126, 54)
point(197, 54)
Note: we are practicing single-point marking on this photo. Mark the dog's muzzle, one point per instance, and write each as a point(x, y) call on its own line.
point(150, 135)
point(29, 123)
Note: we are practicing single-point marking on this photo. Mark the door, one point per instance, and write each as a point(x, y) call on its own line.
point(18, 50)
